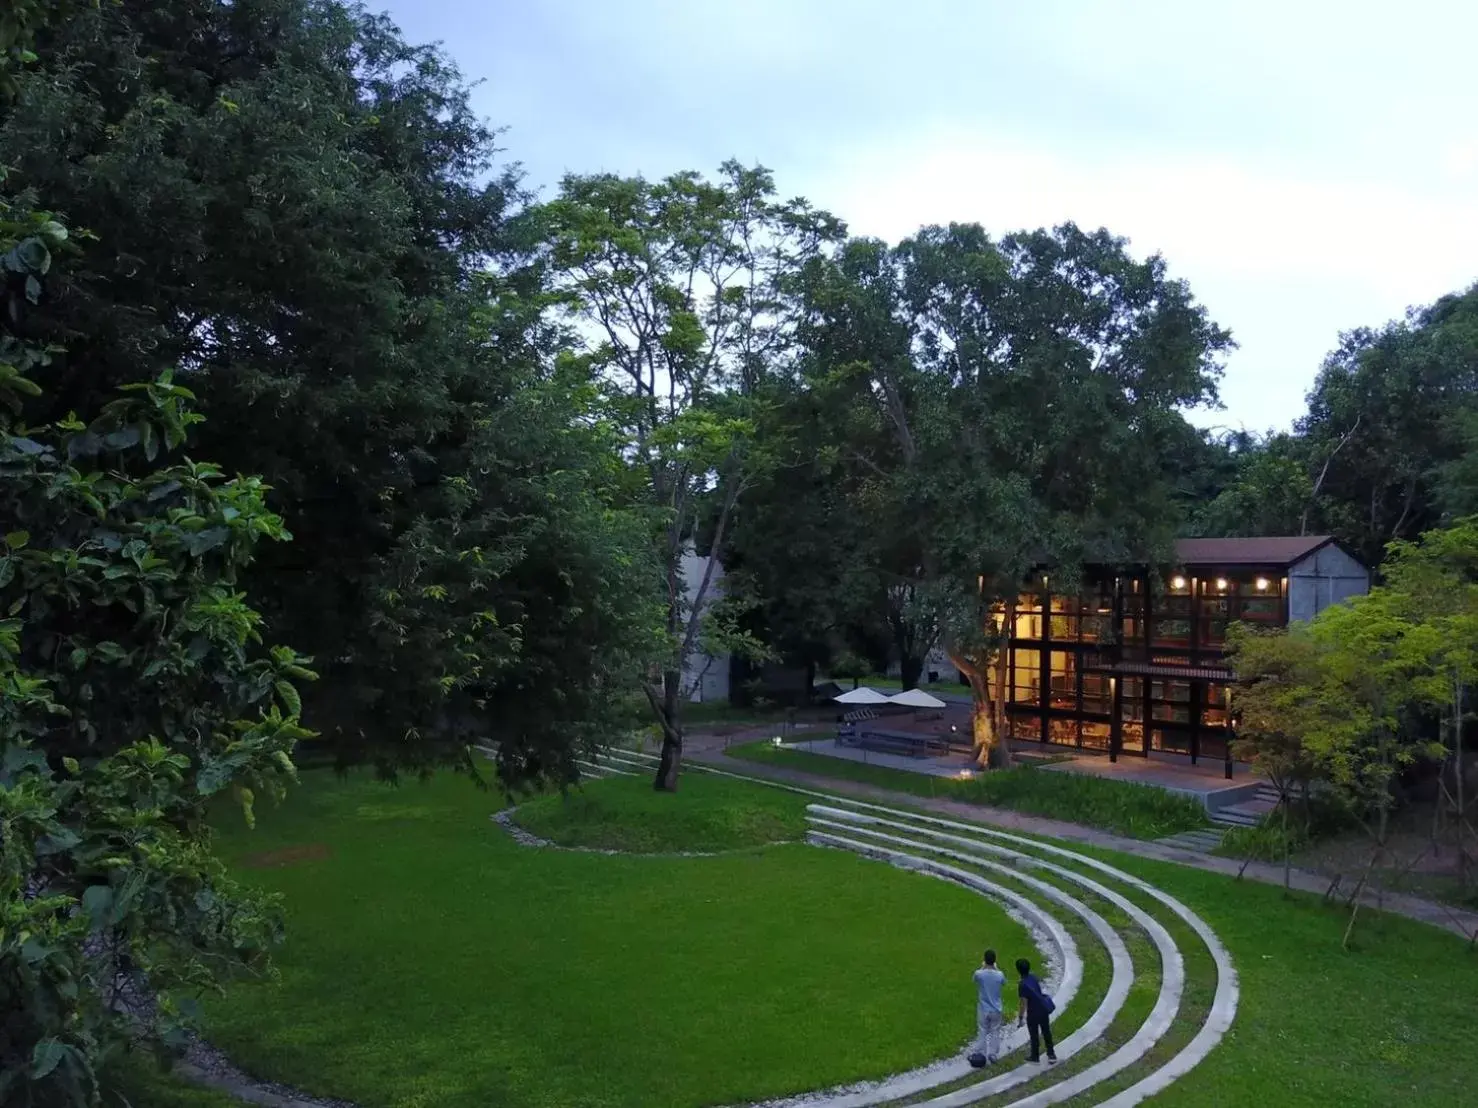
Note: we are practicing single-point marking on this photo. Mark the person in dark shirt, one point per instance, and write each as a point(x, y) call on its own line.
point(1035, 1010)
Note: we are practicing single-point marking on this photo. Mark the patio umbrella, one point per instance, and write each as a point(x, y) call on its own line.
point(864, 695)
point(916, 698)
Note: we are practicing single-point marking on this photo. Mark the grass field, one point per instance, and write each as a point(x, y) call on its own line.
point(1137, 811)
point(434, 962)
point(630, 816)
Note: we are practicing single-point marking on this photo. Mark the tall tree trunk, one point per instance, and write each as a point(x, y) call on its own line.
point(669, 765)
point(1287, 848)
point(910, 669)
point(986, 732)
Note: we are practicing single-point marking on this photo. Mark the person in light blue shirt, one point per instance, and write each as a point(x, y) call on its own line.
point(988, 984)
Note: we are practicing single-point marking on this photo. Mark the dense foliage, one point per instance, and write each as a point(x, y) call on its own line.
point(1384, 452)
point(974, 410)
point(498, 433)
point(1370, 690)
point(685, 287)
point(134, 688)
point(301, 211)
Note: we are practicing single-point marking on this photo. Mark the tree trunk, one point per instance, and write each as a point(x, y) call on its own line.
point(982, 727)
point(670, 765)
point(1462, 809)
point(998, 714)
point(1287, 849)
point(910, 670)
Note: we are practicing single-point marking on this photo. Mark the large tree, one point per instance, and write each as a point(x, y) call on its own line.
point(1014, 401)
point(301, 210)
point(1388, 430)
point(682, 289)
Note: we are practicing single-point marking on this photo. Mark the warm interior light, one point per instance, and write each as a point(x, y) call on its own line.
point(1221, 584)
point(1177, 582)
point(1262, 584)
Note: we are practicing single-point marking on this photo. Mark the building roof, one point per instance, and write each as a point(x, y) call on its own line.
point(1270, 551)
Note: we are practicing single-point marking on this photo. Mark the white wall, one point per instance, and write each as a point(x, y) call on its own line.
point(705, 677)
point(1327, 576)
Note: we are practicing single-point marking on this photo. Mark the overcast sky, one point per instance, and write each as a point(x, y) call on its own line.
point(1307, 167)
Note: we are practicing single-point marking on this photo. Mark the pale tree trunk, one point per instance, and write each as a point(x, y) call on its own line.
point(987, 704)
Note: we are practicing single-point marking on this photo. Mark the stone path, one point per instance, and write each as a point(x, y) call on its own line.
point(1041, 879)
point(1457, 920)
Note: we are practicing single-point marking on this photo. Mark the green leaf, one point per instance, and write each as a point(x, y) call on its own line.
point(289, 697)
point(17, 539)
point(97, 902)
point(47, 1056)
point(58, 841)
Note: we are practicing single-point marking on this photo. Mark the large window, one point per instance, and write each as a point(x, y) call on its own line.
point(1096, 734)
point(1024, 725)
point(1098, 694)
point(1063, 731)
point(1214, 710)
point(1026, 676)
point(1064, 680)
point(1171, 626)
point(1028, 617)
point(1170, 701)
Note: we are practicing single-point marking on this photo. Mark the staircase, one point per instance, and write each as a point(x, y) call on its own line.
point(1247, 813)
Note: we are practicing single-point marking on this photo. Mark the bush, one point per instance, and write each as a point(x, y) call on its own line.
point(133, 689)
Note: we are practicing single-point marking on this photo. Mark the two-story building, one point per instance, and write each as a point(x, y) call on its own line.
point(1133, 662)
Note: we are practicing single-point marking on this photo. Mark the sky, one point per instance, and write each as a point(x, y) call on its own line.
point(1307, 167)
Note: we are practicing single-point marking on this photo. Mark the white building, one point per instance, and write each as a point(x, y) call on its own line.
point(705, 676)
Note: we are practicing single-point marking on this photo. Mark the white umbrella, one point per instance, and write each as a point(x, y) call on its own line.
point(916, 698)
point(864, 695)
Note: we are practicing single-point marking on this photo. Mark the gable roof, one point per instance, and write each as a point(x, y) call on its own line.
point(1270, 551)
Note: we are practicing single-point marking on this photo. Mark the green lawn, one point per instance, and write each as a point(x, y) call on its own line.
point(719, 814)
point(1138, 811)
point(434, 962)
point(140, 1081)
point(1388, 1022)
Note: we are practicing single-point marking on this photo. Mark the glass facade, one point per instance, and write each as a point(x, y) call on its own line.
point(1073, 660)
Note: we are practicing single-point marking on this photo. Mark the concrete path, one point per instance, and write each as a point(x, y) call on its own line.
point(1457, 920)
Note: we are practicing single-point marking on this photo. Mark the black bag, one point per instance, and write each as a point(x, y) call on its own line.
point(978, 1060)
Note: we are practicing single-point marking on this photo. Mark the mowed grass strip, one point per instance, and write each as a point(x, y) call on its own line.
point(627, 814)
point(136, 1079)
point(1387, 1022)
point(1137, 811)
point(432, 961)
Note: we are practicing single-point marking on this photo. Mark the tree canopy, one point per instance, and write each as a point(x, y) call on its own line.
point(302, 212)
